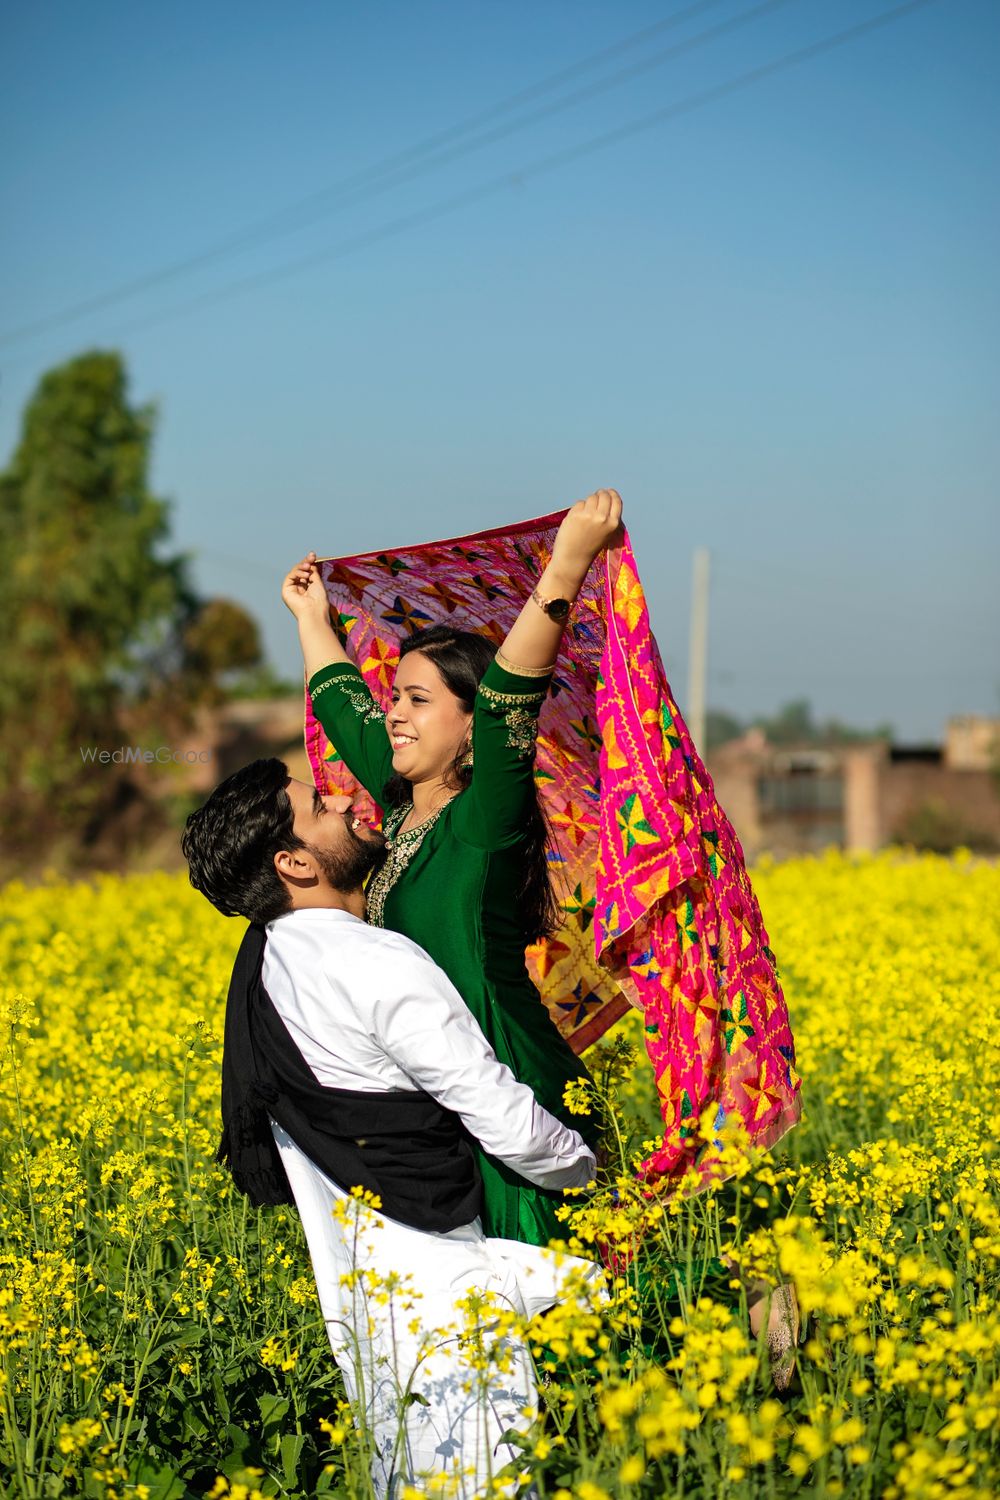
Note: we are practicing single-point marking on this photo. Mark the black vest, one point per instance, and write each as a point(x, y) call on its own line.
point(400, 1144)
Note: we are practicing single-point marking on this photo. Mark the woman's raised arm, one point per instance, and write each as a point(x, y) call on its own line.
point(497, 809)
point(304, 594)
point(342, 701)
point(587, 527)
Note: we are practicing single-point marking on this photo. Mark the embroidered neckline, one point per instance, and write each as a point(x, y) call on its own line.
point(402, 848)
point(432, 818)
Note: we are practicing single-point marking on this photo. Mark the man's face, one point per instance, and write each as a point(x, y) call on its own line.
point(346, 848)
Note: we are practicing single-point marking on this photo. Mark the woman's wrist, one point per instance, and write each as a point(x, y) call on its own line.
point(561, 582)
point(314, 628)
point(320, 646)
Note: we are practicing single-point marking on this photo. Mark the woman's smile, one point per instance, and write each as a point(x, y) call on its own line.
point(420, 692)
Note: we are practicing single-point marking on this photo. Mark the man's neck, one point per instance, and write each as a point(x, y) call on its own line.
point(331, 900)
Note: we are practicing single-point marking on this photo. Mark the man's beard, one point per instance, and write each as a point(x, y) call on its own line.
point(348, 871)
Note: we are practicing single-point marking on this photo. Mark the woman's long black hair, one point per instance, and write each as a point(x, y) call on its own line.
point(462, 657)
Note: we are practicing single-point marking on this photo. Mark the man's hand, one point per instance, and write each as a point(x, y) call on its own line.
point(587, 528)
point(303, 591)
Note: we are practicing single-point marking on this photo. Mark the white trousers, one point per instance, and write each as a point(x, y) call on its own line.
point(431, 1403)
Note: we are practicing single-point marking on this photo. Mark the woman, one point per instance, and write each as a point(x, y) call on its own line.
point(451, 761)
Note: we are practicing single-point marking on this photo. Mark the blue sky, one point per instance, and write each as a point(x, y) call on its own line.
point(770, 320)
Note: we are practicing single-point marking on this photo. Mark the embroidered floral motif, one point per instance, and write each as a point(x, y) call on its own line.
point(522, 727)
point(520, 714)
point(496, 699)
point(357, 695)
point(402, 848)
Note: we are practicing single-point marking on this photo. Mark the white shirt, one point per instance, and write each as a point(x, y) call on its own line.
point(368, 1009)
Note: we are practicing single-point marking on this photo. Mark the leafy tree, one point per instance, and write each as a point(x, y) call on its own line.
point(221, 645)
point(263, 682)
point(94, 618)
point(80, 583)
point(221, 638)
point(792, 724)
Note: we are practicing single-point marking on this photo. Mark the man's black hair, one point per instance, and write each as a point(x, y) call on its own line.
point(230, 842)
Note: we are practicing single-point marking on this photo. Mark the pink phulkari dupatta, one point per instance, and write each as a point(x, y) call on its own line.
point(659, 912)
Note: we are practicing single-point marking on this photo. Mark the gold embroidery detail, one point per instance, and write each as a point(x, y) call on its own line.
point(496, 699)
point(402, 848)
point(358, 697)
point(515, 671)
point(522, 727)
point(520, 714)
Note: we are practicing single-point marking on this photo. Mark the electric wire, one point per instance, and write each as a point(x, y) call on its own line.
point(518, 175)
point(386, 174)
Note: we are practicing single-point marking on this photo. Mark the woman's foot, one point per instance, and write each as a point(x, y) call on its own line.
point(781, 1308)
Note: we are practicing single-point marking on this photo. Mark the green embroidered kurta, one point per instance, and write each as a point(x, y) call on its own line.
point(449, 885)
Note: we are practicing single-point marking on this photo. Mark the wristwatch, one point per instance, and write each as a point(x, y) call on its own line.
point(556, 609)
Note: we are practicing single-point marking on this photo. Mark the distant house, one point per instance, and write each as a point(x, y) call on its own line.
point(781, 799)
point(798, 799)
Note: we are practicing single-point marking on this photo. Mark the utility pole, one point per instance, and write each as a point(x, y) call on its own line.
point(698, 659)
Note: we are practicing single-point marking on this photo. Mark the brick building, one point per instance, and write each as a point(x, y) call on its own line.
point(798, 799)
point(784, 800)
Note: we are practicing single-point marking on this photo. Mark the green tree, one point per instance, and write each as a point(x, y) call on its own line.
point(94, 616)
point(221, 651)
point(792, 724)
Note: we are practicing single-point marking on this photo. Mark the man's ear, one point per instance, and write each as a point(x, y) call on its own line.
point(295, 864)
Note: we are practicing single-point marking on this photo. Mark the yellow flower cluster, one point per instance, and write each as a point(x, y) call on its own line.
point(156, 1331)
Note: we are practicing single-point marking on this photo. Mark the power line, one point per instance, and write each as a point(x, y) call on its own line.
point(489, 138)
point(387, 173)
point(518, 175)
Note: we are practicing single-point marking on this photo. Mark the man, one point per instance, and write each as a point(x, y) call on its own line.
point(351, 1061)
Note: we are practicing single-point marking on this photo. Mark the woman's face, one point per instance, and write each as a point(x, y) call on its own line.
point(427, 724)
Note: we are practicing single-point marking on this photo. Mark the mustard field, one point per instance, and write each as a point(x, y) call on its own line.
point(160, 1339)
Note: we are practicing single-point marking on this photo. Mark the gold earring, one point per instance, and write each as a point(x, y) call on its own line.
point(465, 764)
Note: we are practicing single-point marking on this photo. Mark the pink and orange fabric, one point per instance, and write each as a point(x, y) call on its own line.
point(659, 911)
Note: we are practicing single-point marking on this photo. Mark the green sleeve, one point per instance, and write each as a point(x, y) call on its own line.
point(492, 813)
point(353, 723)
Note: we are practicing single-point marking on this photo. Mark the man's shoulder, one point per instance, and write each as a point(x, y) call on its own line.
point(388, 947)
point(377, 969)
point(377, 947)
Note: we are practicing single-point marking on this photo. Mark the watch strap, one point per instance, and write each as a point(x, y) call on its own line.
point(546, 605)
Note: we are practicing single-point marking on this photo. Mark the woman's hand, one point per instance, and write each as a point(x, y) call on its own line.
point(305, 595)
point(303, 591)
point(587, 528)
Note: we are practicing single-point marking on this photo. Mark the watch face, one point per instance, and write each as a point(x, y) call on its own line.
point(559, 609)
